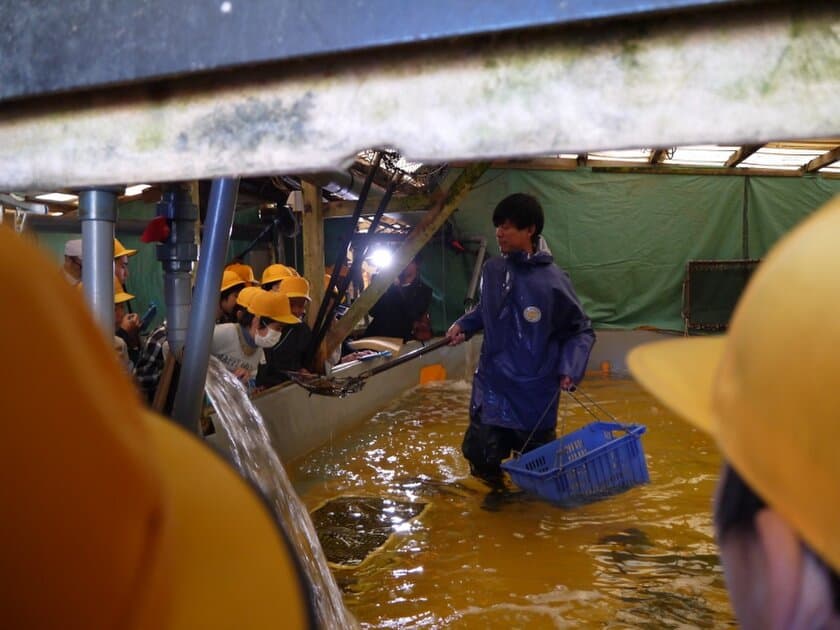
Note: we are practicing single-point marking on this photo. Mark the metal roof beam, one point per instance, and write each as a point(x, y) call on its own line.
point(569, 90)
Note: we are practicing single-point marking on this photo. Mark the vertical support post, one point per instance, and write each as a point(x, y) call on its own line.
point(217, 229)
point(313, 246)
point(98, 214)
point(177, 254)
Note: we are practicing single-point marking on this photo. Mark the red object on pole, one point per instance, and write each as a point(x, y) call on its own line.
point(157, 231)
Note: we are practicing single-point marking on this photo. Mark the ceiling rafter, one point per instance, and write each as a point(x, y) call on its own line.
point(824, 160)
point(742, 154)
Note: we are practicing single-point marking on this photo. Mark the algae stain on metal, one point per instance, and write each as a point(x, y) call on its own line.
point(149, 139)
point(811, 54)
point(245, 125)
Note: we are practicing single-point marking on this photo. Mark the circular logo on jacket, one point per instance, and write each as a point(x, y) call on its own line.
point(532, 314)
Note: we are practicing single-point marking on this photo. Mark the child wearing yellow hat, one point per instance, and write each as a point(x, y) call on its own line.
point(760, 391)
point(240, 346)
point(289, 354)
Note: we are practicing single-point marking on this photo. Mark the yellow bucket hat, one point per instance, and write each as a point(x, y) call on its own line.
point(276, 272)
point(230, 280)
point(295, 286)
point(272, 305)
point(120, 250)
point(113, 516)
point(246, 295)
point(120, 294)
point(244, 271)
point(760, 390)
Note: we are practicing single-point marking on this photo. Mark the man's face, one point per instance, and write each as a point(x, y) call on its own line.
point(512, 239)
point(121, 268)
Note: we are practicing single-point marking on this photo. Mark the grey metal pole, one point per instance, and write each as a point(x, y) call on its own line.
point(177, 255)
point(220, 208)
point(98, 213)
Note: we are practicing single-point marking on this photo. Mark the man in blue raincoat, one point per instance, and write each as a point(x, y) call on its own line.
point(537, 341)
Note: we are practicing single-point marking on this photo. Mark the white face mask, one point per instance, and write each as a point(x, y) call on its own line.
point(269, 339)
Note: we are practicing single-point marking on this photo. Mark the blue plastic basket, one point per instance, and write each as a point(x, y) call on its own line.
point(601, 459)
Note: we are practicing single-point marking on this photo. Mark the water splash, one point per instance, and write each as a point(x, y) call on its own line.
point(253, 455)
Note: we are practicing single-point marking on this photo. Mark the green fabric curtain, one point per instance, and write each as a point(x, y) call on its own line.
point(625, 239)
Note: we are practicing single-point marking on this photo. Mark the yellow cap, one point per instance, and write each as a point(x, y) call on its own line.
point(246, 295)
point(120, 294)
point(114, 517)
point(295, 287)
point(243, 271)
point(120, 250)
point(276, 272)
point(272, 305)
point(760, 390)
point(230, 280)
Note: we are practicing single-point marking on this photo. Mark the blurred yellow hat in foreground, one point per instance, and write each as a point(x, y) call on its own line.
point(114, 517)
point(760, 390)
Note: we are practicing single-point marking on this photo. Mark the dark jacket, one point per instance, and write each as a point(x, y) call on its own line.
point(397, 310)
point(288, 354)
point(535, 331)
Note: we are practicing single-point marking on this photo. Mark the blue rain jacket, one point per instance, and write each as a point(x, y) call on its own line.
point(535, 331)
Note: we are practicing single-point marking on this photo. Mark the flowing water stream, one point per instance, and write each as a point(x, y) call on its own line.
point(256, 459)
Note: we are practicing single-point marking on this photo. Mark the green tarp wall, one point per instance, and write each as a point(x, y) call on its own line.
point(625, 239)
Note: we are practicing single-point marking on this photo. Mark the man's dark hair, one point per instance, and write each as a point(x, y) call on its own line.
point(736, 508)
point(522, 210)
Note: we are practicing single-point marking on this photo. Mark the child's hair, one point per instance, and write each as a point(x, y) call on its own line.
point(522, 210)
point(247, 318)
point(230, 290)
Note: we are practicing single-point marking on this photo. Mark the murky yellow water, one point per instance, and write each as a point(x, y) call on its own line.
point(642, 559)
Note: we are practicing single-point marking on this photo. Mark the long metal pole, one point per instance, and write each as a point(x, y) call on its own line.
point(98, 213)
point(177, 255)
point(220, 208)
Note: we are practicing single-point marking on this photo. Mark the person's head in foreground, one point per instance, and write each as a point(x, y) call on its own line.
point(762, 392)
point(114, 517)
